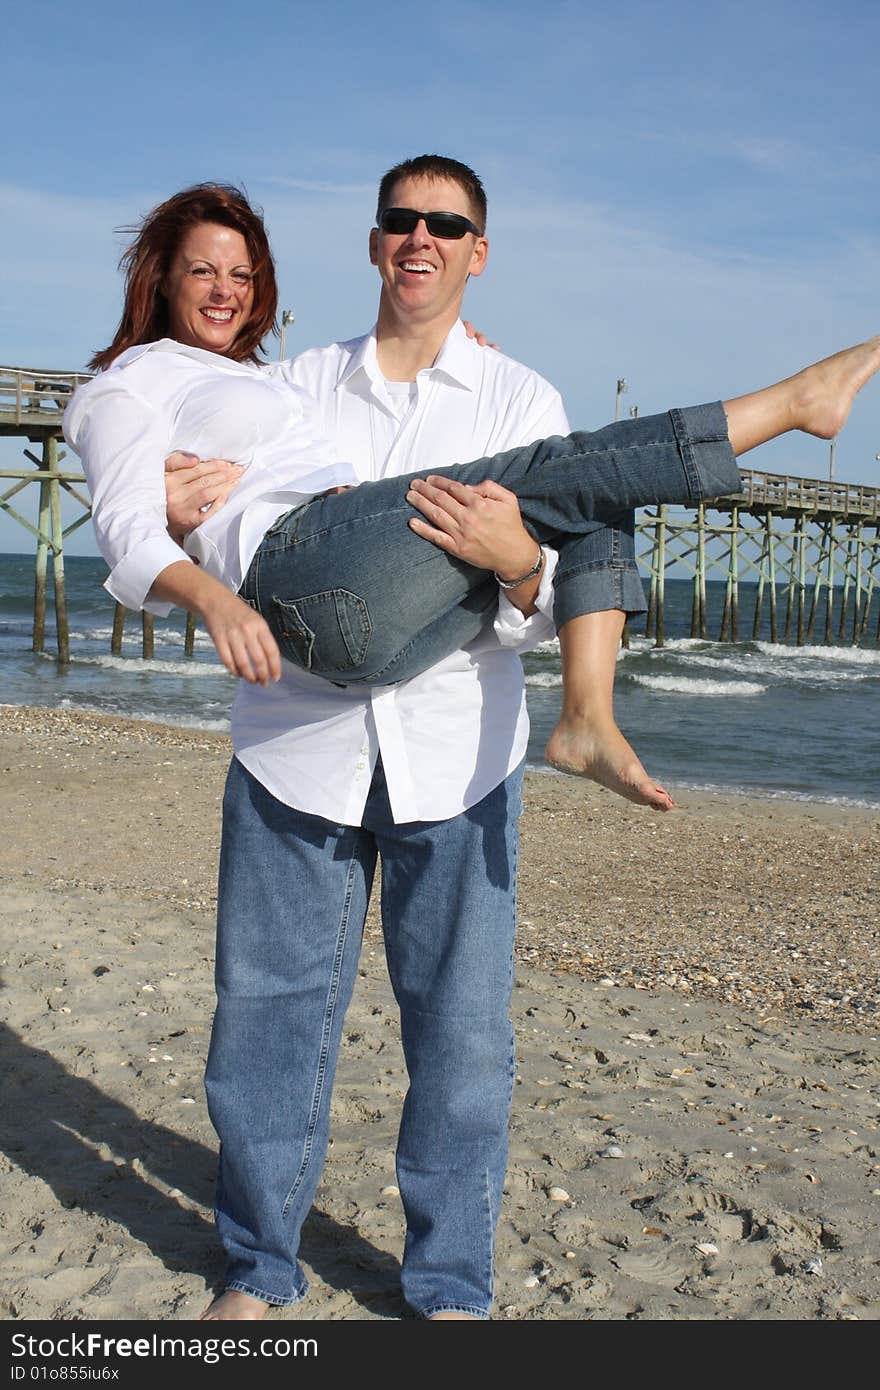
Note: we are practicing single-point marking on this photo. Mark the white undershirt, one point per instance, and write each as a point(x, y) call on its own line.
point(401, 394)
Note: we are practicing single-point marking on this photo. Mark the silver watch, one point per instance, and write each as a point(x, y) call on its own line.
point(515, 583)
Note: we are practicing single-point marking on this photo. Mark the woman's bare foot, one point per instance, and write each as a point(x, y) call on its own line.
point(816, 400)
point(586, 740)
point(233, 1306)
point(449, 1316)
point(599, 750)
point(825, 392)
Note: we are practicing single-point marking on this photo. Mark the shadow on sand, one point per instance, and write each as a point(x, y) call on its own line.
point(94, 1152)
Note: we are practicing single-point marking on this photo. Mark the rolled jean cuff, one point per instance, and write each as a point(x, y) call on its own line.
point(254, 1291)
point(706, 453)
point(586, 590)
point(470, 1308)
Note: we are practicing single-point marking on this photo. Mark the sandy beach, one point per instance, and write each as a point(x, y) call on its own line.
point(695, 1124)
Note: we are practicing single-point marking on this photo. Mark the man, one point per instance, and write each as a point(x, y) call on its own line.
point(426, 774)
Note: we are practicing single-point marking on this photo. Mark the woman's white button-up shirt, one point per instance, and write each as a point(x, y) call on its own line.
point(165, 396)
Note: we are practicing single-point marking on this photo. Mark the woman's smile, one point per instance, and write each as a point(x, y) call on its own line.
point(209, 288)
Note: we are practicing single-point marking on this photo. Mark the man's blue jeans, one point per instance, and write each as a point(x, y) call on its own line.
point(354, 595)
point(293, 895)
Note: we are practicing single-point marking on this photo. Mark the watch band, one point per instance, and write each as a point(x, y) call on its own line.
point(515, 583)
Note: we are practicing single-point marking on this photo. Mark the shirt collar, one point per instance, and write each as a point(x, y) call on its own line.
point(213, 359)
point(362, 359)
point(455, 361)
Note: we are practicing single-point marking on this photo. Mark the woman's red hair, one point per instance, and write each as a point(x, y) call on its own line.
point(148, 260)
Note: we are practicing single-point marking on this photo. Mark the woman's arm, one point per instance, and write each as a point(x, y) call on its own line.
point(243, 641)
point(122, 440)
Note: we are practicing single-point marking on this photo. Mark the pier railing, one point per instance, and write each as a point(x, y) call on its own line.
point(35, 396)
point(788, 496)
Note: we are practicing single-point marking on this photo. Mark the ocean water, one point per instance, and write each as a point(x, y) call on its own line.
point(777, 720)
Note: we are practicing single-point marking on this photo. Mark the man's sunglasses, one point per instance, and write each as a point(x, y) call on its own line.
point(448, 226)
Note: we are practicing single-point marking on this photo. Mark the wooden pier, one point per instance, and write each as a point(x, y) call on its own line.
point(810, 547)
point(31, 405)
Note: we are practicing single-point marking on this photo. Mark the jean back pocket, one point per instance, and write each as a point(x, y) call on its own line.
point(326, 633)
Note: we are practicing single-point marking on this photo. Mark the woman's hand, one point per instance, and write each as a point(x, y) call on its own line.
point(195, 489)
point(479, 337)
point(242, 638)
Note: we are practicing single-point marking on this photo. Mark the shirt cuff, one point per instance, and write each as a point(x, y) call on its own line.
point(513, 628)
point(131, 580)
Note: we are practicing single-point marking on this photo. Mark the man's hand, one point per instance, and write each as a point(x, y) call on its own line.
point(196, 489)
point(479, 337)
point(479, 524)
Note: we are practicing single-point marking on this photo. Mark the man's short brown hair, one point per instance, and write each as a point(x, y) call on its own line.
point(436, 166)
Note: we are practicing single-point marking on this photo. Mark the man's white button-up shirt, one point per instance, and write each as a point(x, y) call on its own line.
point(452, 734)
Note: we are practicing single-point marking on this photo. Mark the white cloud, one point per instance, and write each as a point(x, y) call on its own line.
point(324, 186)
point(773, 153)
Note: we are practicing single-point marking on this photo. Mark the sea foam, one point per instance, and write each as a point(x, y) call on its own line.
point(544, 678)
point(859, 656)
point(689, 685)
point(766, 663)
point(135, 666)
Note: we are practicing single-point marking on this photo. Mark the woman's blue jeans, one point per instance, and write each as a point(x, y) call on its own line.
point(352, 594)
point(293, 895)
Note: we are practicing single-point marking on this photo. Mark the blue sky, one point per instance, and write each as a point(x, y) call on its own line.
point(680, 193)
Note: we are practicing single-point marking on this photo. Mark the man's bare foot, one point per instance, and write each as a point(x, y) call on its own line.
point(601, 752)
point(233, 1306)
point(449, 1316)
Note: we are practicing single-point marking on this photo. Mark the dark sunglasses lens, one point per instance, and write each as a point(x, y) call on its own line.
point(447, 225)
point(398, 221)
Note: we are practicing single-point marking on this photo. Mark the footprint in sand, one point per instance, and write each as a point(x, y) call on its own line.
point(654, 1266)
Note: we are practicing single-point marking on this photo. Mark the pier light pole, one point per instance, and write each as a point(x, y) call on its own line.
point(287, 318)
point(831, 450)
point(621, 387)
